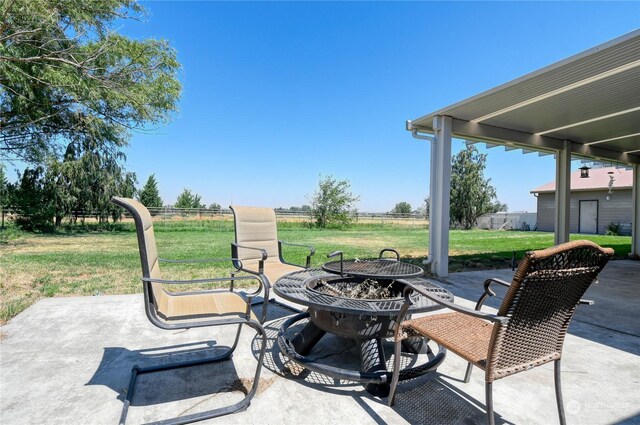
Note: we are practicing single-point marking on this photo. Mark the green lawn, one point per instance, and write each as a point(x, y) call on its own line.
point(91, 263)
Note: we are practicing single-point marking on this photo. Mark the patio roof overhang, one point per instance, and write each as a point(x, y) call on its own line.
point(585, 106)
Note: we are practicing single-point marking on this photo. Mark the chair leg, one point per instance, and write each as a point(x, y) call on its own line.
point(241, 405)
point(467, 374)
point(397, 352)
point(489, 396)
point(263, 317)
point(556, 370)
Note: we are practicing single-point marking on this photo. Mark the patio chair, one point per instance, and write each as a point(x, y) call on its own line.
point(183, 310)
point(258, 249)
point(528, 329)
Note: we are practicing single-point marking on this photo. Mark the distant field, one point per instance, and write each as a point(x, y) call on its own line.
point(93, 263)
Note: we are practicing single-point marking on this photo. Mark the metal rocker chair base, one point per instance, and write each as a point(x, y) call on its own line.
point(214, 413)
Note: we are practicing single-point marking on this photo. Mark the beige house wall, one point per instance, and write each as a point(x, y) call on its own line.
point(616, 210)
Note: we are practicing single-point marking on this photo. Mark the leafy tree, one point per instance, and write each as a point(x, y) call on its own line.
point(497, 206)
point(77, 185)
point(471, 193)
point(333, 202)
point(59, 181)
point(95, 177)
point(303, 208)
point(149, 195)
point(215, 207)
point(34, 201)
point(67, 78)
point(4, 193)
point(427, 207)
point(402, 208)
point(188, 200)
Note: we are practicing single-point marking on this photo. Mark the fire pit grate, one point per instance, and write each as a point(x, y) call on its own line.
point(379, 268)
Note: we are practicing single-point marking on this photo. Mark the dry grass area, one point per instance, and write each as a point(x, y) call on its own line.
point(97, 263)
point(40, 266)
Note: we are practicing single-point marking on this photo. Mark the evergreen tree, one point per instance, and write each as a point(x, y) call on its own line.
point(4, 193)
point(149, 195)
point(189, 200)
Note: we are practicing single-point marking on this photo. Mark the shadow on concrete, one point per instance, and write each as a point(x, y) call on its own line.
point(431, 399)
point(115, 367)
point(425, 399)
point(633, 420)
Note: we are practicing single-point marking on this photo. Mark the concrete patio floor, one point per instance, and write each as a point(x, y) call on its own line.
point(68, 360)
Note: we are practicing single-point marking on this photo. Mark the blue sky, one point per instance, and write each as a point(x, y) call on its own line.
point(277, 94)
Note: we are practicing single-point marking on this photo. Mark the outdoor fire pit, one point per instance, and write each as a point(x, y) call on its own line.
point(352, 322)
point(359, 300)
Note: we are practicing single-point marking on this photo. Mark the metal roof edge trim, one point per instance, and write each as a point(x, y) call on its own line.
point(593, 189)
point(572, 58)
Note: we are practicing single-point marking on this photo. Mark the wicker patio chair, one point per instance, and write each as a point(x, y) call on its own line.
point(258, 249)
point(530, 326)
point(183, 310)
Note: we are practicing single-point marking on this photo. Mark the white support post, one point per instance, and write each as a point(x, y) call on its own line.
point(563, 192)
point(440, 197)
point(635, 217)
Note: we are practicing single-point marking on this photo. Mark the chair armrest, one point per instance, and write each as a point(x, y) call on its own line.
point(263, 252)
point(237, 263)
point(311, 249)
point(488, 292)
point(455, 307)
point(206, 280)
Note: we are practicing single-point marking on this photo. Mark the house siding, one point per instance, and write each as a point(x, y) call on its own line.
point(616, 210)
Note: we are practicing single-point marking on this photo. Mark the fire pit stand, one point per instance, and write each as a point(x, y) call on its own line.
point(367, 321)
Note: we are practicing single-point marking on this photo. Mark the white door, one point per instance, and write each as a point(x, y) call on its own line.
point(588, 217)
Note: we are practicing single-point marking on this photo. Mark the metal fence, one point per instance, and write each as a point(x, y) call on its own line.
point(168, 213)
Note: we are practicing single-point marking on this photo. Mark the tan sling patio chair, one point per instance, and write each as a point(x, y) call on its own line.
point(258, 248)
point(530, 326)
point(183, 310)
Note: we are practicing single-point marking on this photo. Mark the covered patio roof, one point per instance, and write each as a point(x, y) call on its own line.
point(585, 106)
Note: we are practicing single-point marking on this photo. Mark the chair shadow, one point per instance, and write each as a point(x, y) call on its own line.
point(115, 367)
point(431, 399)
point(632, 420)
point(425, 399)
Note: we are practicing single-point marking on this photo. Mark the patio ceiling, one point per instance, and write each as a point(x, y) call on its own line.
point(591, 99)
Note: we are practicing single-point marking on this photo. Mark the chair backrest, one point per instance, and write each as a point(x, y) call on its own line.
point(255, 227)
point(148, 251)
point(540, 303)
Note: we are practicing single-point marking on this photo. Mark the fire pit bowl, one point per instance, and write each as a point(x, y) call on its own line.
point(358, 325)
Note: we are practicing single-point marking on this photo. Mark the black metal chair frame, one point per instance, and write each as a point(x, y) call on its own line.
point(152, 314)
